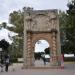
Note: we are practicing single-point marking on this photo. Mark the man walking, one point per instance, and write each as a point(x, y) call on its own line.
point(6, 63)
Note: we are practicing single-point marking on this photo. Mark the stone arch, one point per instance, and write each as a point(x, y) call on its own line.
point(37, 37)
point(41, 42)
point(40, 36)
point(41, 28)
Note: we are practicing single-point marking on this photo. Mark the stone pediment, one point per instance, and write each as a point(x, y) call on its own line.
point(41, 20)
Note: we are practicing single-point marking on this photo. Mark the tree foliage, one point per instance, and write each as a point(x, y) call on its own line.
point(62, 23)
point(67, 29)
point(16, 18)
point(70, 27)
point(4, 44)
point(47, 50)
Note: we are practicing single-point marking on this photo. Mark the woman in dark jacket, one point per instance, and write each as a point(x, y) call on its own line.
point(6, 63)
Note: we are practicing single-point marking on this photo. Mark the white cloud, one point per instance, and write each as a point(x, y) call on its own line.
point(41, 46)
point(7, 6)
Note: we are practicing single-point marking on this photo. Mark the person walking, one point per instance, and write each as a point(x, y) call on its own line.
point(44, 59)
point(6, 63)
point(2, 64)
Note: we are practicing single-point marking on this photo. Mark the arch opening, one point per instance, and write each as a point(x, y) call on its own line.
point(42, 53)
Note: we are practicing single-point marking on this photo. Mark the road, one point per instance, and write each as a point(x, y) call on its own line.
point(68, 70)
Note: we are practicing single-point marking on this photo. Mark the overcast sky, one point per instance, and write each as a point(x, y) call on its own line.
point(7, 6)
point(40, 47)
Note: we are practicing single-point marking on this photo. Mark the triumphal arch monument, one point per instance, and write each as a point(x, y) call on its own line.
point(41, 24)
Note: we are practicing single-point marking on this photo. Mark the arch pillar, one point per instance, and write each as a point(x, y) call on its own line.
point(54, 49)
point(29, 50)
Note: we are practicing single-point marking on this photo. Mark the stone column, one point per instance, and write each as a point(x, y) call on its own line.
point(29, 50)
point(58, 43)
point(25, 41)
point(54, 49)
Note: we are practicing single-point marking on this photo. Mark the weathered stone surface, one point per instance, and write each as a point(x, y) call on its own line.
point(41, 24)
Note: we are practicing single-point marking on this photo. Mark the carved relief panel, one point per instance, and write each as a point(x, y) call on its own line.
point(41, 22)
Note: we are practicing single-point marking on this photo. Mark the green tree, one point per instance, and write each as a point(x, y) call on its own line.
point(47, 51)
point(62, 23)
point(70, 26)
point(16, 18)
